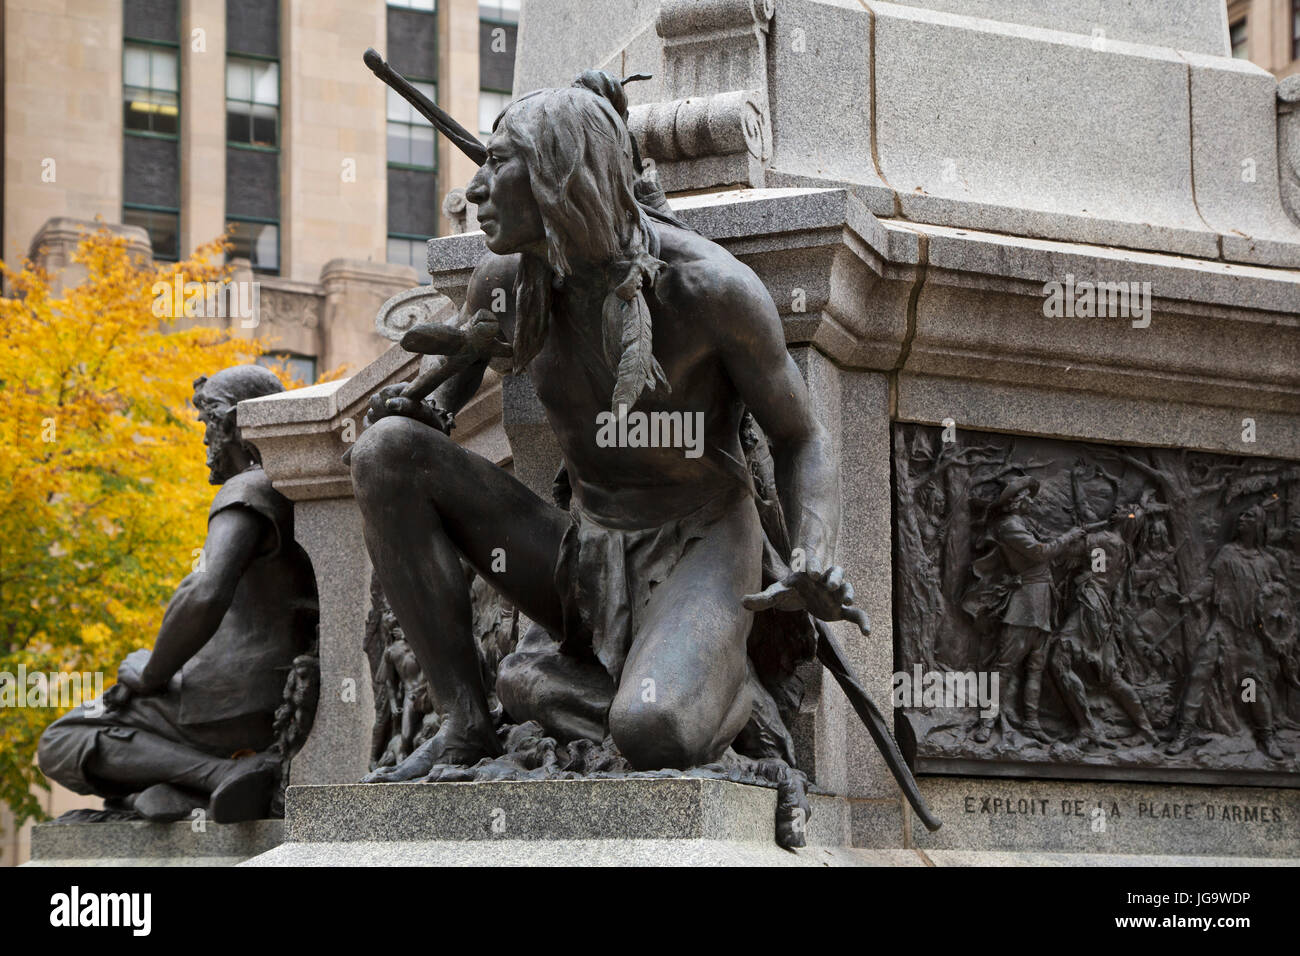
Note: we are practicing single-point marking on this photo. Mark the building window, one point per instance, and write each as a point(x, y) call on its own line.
point(151, 114)
point(410, 136)
point(300, 367)
point(258, 242)
point(252, 102)
point(1237, 38)
point(428, 6)
point(413, 197)
point(490, 105)
point(163, 226)
point(253, 132)
point(500, 11)
point(410, 251)
point(150, 89)
point(1295, 29)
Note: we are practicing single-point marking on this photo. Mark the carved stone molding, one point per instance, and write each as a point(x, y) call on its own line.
point(279, 307)
point(1288, 144)
point(715, 127)
point(413, 307)
point(459, 211)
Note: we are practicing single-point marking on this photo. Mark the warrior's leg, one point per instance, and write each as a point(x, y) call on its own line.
point(1261, 720)
point(568, 695)
point(1072, 689)
point(1013, 645)
point(425, 502)
point(684, 694)
point(1128, 698)
point(1194, 694)
point(1037, 663)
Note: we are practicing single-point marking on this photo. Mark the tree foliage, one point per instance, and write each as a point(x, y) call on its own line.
point(103, 485)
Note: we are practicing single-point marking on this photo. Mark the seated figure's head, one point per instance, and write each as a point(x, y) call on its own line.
point(559, 180)
point(216, 399)
point(1250, 525)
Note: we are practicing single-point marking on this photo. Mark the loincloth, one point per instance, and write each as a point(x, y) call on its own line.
point(605, 576)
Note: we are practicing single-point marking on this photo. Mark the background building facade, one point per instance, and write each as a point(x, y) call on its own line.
point(1266, 32)
point(186, 118)
point(183, 118)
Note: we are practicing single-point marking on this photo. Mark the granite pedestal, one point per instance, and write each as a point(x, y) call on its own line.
point(625, 822)
point(137, 843)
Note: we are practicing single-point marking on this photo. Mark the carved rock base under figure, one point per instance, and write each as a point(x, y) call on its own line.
point(677, 821)
point(531, 755)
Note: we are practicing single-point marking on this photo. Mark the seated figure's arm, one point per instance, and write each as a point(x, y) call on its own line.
point(203, 598)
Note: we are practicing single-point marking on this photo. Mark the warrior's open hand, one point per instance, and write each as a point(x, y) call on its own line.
point(823, 594)
point(390, 400)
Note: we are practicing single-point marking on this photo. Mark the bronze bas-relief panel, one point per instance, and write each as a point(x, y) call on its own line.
point(1136, 608)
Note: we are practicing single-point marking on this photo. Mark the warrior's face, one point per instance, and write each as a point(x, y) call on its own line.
point(559, 182)
point(507, 210)
point(1247, 529)
point(1020, 502)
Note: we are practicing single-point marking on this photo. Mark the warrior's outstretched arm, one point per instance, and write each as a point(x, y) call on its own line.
point(752, 345)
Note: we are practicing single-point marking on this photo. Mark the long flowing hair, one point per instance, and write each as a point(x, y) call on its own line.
point(580, 163)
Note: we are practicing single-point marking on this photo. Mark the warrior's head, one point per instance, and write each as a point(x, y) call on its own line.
point(558, 181)
point(1016, 495)
point(1250, 526)
point(216, 399)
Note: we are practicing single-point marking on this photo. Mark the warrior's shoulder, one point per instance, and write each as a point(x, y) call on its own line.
point(699, 270)
point(492, 272)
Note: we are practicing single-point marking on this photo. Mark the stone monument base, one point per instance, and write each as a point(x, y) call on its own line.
point(628, 822)
point(672, 821)
point(1007, 819)
point(138, 843)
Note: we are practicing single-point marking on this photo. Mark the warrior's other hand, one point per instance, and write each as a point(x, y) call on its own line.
point(391, 400)
point(826, 595)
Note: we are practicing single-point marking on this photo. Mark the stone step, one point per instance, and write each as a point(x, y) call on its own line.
point(138, 843)
point(637, 821)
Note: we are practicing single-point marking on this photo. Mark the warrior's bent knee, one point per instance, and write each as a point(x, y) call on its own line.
point(656, 737)
point(385, 449)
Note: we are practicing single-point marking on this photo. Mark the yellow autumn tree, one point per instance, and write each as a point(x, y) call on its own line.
point(103, 485)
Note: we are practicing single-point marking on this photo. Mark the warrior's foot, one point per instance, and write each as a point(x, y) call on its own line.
point(1269, 745)
point(1178, 745)
point(245, 793)
point(983, 732)
point(450, 745)
point(792, 809)
point(1142, 736)
point(1034, 729)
